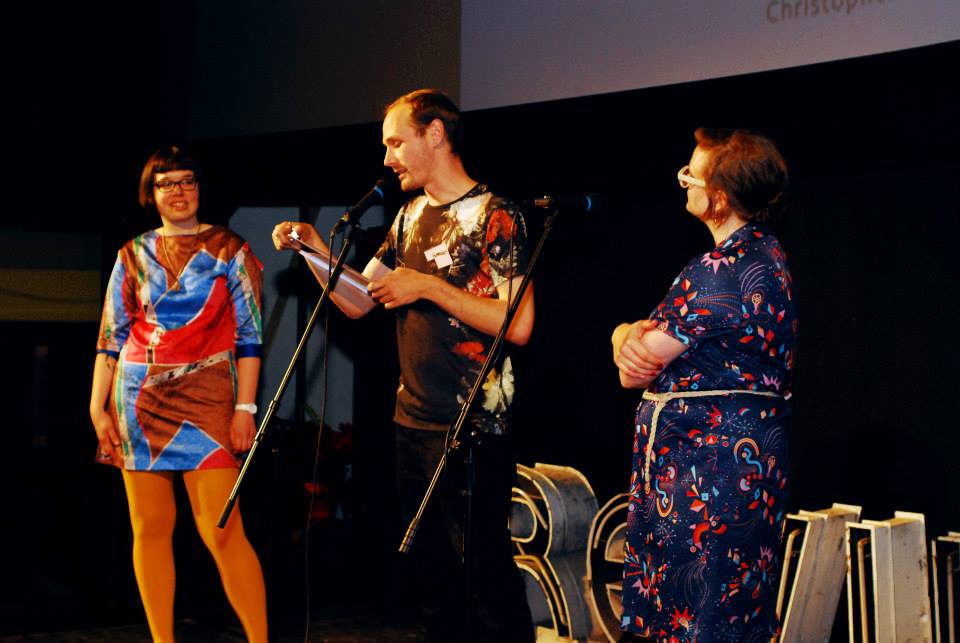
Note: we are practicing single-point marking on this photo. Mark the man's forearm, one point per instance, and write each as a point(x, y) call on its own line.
point(483, 313)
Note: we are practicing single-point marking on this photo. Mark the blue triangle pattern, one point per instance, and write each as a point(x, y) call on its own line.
point(189, 446)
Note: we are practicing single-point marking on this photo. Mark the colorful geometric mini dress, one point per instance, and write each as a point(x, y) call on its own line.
point(708, 500)
point(177, 317)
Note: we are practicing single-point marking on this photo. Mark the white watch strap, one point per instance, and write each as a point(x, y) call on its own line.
point(249, 407)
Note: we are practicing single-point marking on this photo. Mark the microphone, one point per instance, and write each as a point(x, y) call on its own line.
point(582, 203)
point(377, 194)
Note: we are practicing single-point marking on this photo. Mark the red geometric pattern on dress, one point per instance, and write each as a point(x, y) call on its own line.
point(188, 344)
point(219, 459)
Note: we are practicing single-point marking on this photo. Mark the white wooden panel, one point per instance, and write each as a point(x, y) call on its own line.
point(820, 573)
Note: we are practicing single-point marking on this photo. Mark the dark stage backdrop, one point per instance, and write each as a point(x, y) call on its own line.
point(872, 145)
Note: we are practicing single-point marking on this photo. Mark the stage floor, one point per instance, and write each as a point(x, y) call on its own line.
point(331, 629)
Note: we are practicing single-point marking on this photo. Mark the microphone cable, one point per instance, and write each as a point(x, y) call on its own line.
point(316, 455)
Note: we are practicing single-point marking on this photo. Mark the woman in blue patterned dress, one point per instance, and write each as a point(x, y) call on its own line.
point(175, 378)
point(709, 483)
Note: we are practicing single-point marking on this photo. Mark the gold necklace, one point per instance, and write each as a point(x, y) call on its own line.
point(166, 255)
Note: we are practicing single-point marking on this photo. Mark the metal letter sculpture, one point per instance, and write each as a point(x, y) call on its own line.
point(550, 520)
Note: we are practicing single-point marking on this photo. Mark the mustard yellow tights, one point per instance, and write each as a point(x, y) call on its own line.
point(153, 512)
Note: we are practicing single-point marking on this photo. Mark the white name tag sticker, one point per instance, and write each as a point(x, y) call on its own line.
point(439, 255)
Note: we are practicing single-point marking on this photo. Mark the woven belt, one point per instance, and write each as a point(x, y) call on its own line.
point(660, 400)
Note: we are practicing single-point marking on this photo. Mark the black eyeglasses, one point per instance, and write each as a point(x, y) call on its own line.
point(166, 185)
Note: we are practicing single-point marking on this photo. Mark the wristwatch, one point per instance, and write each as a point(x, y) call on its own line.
point(249, 407)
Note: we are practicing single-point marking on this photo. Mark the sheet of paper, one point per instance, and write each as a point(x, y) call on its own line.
point(352, 285)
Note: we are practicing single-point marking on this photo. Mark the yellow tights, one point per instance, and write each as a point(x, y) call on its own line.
point(153, 512)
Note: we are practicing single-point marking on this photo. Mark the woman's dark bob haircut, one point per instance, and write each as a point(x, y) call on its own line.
point(166, 159)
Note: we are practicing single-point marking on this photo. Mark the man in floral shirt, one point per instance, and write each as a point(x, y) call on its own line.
point(457, 254)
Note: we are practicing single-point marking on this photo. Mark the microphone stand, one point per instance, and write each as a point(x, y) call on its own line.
point(455, 429)
point(272, 407)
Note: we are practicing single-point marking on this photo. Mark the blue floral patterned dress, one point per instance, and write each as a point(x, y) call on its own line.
point(708, 499)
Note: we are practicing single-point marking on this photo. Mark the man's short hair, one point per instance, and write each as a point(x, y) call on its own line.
point(429, 104)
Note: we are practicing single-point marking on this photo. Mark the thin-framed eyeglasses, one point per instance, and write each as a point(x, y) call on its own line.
point(686, 180)
point(166, 185)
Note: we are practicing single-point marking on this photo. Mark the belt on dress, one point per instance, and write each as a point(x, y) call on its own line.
point(185, 369)
point(660, 400)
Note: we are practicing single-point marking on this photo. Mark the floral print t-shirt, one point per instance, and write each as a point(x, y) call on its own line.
point(475, 243)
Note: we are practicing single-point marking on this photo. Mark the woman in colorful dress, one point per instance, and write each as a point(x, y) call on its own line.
point(174, 384)
point(709, 485)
